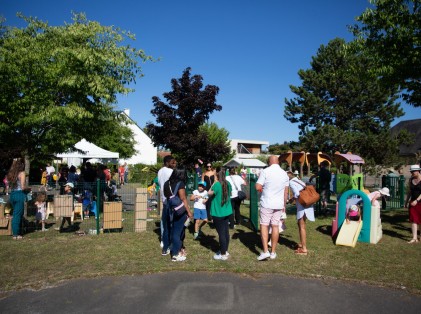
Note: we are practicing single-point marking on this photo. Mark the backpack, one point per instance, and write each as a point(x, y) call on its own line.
point(174, 202)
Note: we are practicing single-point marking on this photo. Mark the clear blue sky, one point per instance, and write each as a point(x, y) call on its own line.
point(251, 49)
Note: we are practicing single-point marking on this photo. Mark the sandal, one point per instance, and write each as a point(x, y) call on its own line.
point(413, 241)
point(298, 246)
point(300, 251)
point(19, 237)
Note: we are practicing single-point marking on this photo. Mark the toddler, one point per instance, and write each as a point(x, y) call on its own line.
point(353, 214)
point(200, 196)
point(41, 210)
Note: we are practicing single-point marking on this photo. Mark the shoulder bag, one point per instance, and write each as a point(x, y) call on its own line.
point(308, 195)
point(241, 195)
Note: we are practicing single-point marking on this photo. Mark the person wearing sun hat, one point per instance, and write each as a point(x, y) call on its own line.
point(374, 196)
point(413, 201)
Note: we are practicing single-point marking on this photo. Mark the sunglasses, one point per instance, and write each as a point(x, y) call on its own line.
point(209, 166)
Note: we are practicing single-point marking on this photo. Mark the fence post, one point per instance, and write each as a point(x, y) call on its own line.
point(254, 208)
point(98, 202)
point(384, 183)
point(402, 190)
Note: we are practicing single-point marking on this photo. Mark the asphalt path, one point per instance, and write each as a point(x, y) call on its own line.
point(202, 292)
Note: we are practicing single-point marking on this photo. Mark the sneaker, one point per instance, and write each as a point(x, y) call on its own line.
point(273, 255)
point(165, 252)
point(226, 253)
point(178, 258)
point(220, 257)
point(263, 256)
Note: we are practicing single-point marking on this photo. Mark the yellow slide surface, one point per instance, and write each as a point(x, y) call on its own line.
point(348, 235)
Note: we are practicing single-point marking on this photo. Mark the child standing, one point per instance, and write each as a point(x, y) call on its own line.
point(200, 196)
point(41, 210)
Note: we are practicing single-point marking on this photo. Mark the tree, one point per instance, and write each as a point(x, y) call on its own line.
point(60, 83)
point(214, 144)
point(178, 121)
point(340, 108)
point(119, 138)
point(277, 149)
point(390, 35)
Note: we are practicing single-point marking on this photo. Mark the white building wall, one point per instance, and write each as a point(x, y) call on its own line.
point(146, 151)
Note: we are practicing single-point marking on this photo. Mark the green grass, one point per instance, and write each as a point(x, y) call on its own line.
point(41, 260)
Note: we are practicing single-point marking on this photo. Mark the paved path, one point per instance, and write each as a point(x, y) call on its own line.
point(185, 292)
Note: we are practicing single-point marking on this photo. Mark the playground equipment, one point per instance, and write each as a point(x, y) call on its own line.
point(317, 158)
point(370, 228)
point(347, 177)
point(290, 157)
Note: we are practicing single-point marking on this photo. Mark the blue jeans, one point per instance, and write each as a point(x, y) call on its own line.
point(17, 200)
point(177, 233)
point(165, 226)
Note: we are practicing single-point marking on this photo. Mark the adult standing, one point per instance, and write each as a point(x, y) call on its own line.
point(163, 175)
point(303, 213)
point(17, 183)
point(209, 177)
point(121, 170)
point(272, 183)
point(236, 182)
point(221, 209)
point(324, 183)
point(126, 173)
point(178, 176)
point(50, 172)
point(413, 201)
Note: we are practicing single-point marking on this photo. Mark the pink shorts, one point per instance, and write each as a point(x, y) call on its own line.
point(270, 216)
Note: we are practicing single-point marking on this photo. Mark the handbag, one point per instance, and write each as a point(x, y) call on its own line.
point(241, 195)
point(308, 195)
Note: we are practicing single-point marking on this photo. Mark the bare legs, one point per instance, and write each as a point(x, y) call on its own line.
point(302, 232)
point(264, 234)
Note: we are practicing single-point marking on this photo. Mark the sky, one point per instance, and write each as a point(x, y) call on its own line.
point(251, 49)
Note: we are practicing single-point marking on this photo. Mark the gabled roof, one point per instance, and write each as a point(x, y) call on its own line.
point(413, 126)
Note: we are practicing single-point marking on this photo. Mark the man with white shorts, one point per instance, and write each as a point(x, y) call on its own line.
point(273, 183)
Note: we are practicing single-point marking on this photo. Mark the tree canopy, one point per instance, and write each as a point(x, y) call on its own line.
point(60, 84)
point(180, 123)
point(390, 36)
point(339, 107)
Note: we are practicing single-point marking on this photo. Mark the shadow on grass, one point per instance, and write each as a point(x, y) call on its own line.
point(250, 240)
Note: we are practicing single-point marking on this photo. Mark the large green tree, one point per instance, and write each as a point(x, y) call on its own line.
point(60, 84)
point(339, 107)
point(390, 34)
point(178, 121)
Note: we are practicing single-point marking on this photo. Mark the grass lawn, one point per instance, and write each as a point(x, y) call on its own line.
point(40, 261)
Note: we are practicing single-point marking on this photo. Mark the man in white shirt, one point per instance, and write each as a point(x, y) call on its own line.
point(236, 182)
point(273, 185)
point(163, 175)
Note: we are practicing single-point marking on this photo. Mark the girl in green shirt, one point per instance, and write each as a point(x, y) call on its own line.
point(221, 209)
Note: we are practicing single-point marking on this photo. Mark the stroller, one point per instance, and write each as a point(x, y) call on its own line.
point(111, 192)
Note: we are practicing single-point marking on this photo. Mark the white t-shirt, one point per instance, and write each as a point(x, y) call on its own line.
point(50, 170)
point(236, 182)
point(163, 175)
point(274, 181)
point(201, 196)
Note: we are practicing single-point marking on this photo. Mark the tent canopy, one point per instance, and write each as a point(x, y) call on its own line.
point(88, 150)
point(247, 162)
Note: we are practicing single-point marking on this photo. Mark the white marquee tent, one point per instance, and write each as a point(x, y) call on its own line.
point(88, 151)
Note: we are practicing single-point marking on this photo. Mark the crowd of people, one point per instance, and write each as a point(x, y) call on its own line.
point(215, 201)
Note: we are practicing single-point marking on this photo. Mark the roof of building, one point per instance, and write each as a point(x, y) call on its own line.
point(413, 126)
point(247, 162)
